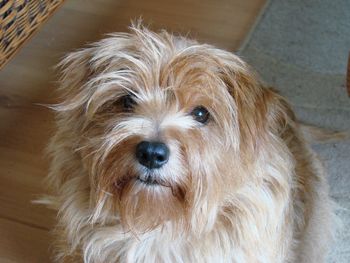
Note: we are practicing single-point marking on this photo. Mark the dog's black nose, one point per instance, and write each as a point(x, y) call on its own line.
point(153, 155)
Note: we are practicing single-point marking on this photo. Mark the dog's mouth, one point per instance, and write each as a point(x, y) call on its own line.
point(143, 179)
point(148, 180)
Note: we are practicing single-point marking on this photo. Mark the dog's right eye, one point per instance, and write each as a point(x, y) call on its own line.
point(128, 102)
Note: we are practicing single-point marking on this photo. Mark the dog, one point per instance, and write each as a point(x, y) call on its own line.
point(168, 150)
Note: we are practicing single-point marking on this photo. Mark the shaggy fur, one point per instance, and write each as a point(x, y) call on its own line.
point(243, 187)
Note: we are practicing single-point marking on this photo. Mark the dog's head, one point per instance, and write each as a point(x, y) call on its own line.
point(165, 127)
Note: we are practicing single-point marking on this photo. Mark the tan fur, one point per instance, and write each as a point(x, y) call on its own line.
point(244, 187)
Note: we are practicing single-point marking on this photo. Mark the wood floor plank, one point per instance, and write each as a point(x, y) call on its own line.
point(24, 130)
point(23, 244)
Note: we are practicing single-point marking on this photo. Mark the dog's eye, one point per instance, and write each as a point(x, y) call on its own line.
point(128, 102)
point(200, 114)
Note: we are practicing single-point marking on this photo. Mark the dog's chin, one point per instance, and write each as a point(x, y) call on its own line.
point(146, 201)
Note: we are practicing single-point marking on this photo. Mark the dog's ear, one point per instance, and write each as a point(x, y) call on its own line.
point(75, 71)
point(246, 92)
point(279, 116)
point(260, 110)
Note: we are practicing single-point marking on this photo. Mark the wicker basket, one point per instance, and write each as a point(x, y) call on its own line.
point(19, 19)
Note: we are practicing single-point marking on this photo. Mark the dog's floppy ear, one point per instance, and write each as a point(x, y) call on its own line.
point(246, 92)
point(280, 115)
point(260, 110)
point(81, 70)
point(75, 70)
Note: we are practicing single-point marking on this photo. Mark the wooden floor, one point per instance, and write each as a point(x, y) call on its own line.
point(29, 79)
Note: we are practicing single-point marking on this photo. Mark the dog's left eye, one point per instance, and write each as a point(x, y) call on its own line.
point(200, 114)
point(128, 102)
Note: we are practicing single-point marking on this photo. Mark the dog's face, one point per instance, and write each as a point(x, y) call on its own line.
point(163, 127)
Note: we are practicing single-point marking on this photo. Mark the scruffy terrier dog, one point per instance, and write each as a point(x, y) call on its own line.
point(168, 150)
